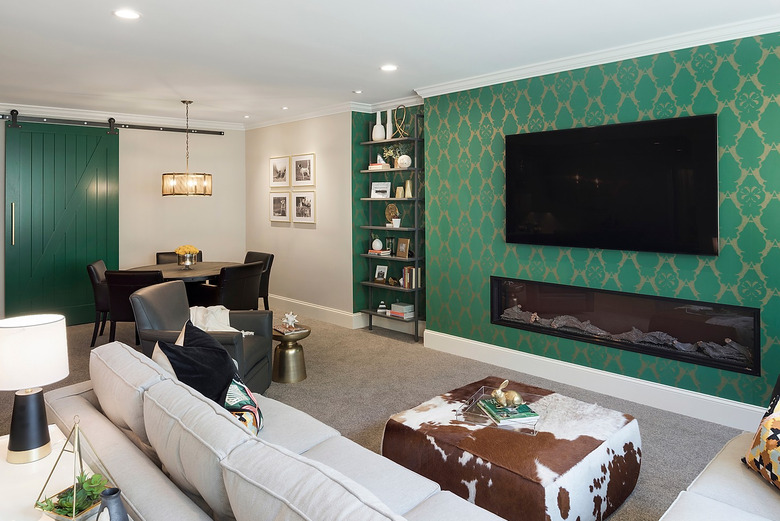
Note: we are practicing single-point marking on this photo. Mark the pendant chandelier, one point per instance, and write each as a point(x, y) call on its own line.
point(177, 183)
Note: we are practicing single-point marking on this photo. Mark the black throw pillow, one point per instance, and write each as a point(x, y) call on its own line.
point(208, 369)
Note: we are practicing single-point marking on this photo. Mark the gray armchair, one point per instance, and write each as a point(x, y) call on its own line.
point(162, 310)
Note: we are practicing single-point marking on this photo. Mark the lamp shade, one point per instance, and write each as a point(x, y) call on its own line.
point(186, 184)
point(33, 351)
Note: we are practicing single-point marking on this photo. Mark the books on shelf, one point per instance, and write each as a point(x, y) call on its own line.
point(379, 166)
point(401, 314)
point(285, 330)
point(410, 277)
point(520, 415)
point(402, 307)
point(379, 252)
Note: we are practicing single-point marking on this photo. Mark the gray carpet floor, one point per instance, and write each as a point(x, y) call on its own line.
point(356, 379)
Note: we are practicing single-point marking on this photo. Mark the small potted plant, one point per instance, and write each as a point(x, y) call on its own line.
point(67, 506)
point(395, 150)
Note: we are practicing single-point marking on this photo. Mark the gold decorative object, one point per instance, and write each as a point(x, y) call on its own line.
point(399, 192)
point(408, 189)
point(399, 125)
point(392, 282)
point(391, 212)
point(507, 398)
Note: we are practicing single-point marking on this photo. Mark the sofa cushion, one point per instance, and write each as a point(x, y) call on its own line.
point(269, 482)
point(690, 506)
point(120, 375)
point(307, 433)
point(446, 506)
point(764, 453)
point(727, 480)
point(397, 487)
point(192, 434)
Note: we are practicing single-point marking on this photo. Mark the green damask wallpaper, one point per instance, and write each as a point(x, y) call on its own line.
point(739, 80)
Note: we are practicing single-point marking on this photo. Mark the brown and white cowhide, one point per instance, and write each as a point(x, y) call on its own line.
point(581, 465)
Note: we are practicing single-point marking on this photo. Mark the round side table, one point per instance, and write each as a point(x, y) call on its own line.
point(289, 365)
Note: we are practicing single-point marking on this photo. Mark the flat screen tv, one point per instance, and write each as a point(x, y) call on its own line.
point(646, 186)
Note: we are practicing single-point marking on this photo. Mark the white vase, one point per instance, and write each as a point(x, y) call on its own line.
point(379, 131)
point(389, 131)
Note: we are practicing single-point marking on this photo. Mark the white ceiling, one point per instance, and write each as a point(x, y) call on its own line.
point(252, 57)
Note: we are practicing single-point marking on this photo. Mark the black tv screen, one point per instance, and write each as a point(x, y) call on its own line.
point(646, 186)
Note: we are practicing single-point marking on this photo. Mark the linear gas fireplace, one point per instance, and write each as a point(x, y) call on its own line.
point(715, 335)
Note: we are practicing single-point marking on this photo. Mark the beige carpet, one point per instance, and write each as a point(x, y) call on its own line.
point(358, 378)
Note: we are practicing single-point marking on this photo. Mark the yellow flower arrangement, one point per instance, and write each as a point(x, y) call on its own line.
point(186, 249)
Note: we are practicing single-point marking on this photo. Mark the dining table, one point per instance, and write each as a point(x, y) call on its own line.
point(198, 272)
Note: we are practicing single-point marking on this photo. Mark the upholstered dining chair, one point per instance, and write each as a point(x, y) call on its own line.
point(162, 310)
point(122, 284)
point(168, 257)
point(237, 287)
point(97, 276)
point(268, 260)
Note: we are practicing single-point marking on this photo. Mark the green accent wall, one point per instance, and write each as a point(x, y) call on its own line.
point(464, 148)
point(360, 189)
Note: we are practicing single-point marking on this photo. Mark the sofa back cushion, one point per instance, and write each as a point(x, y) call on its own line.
point(120, 375)
point(191, 435)
point(269, 482)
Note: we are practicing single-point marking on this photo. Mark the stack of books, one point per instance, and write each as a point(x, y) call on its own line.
point(520, 415)
point(402, 310)
point(379, 166)
point(379, 252)
point(285, 330)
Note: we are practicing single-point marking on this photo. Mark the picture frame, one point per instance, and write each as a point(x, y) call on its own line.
point(381, 189)
point(279, 204)
point(302, 171)
point(380, 274)
point(279, 171)
point(402, 250)
point(303, 207)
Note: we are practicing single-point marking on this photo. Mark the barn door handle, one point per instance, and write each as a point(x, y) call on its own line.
point(13, 224)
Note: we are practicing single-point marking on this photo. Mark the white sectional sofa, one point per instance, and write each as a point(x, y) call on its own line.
point(178, 455)
point(727, 490)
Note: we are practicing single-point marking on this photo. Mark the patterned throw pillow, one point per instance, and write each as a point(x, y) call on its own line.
point(764, 455)
point(203, 364)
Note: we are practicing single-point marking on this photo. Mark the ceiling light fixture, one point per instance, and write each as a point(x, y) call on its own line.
point(127, 14)
point(177, 183)
point(358, 91)
point(389, 67)
point(285, 108)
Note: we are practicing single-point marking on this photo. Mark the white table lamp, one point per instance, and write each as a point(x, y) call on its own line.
point(33, 353)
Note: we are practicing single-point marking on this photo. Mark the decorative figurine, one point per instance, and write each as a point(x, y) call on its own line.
point(290, 319)
point(509, 399)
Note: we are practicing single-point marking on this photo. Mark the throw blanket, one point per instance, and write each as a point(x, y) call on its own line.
point(213, 318)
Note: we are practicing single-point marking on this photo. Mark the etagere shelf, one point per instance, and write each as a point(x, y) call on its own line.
point(412, 220)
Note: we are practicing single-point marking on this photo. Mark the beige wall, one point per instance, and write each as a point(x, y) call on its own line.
point(149, 222)
point(312, 262)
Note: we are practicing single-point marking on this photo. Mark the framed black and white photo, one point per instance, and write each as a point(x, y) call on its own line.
point(279, 169)
point(381, 190)
point(303, 207)
point(380, 275)
point(303, 170)
point(280, 206)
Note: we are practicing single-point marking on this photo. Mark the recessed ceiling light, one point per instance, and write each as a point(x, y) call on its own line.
point(358, 91)
point(246, 117)
point(127, 14)
point(284, 108)
point(389, 67)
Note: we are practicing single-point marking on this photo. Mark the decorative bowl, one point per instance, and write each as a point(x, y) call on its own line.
point(188, 260)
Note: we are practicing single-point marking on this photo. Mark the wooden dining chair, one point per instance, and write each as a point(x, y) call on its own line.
point(268, 260)
point(122, 284)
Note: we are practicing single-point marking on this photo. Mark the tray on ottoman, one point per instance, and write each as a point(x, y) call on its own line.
point(582, 463)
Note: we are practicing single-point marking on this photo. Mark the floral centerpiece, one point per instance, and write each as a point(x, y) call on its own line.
point(188, 255)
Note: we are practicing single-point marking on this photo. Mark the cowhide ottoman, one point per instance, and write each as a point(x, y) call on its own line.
point(581, 465)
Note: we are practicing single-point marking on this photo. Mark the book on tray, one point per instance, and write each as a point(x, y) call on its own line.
point(379, 252)
point(285, 330)
point(520, 415)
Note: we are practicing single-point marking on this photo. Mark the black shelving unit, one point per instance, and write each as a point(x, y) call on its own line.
point(412, 227)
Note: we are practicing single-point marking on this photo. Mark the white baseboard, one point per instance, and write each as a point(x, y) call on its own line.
point(339, 317)
point(697, 405)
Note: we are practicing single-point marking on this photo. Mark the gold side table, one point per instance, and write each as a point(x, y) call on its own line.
point(289, 365)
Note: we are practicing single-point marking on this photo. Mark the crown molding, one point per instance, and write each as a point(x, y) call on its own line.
point(129, 119)
point(325, 111)
point(722, 33)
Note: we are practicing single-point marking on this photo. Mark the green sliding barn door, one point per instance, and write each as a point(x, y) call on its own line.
point(61, 213)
